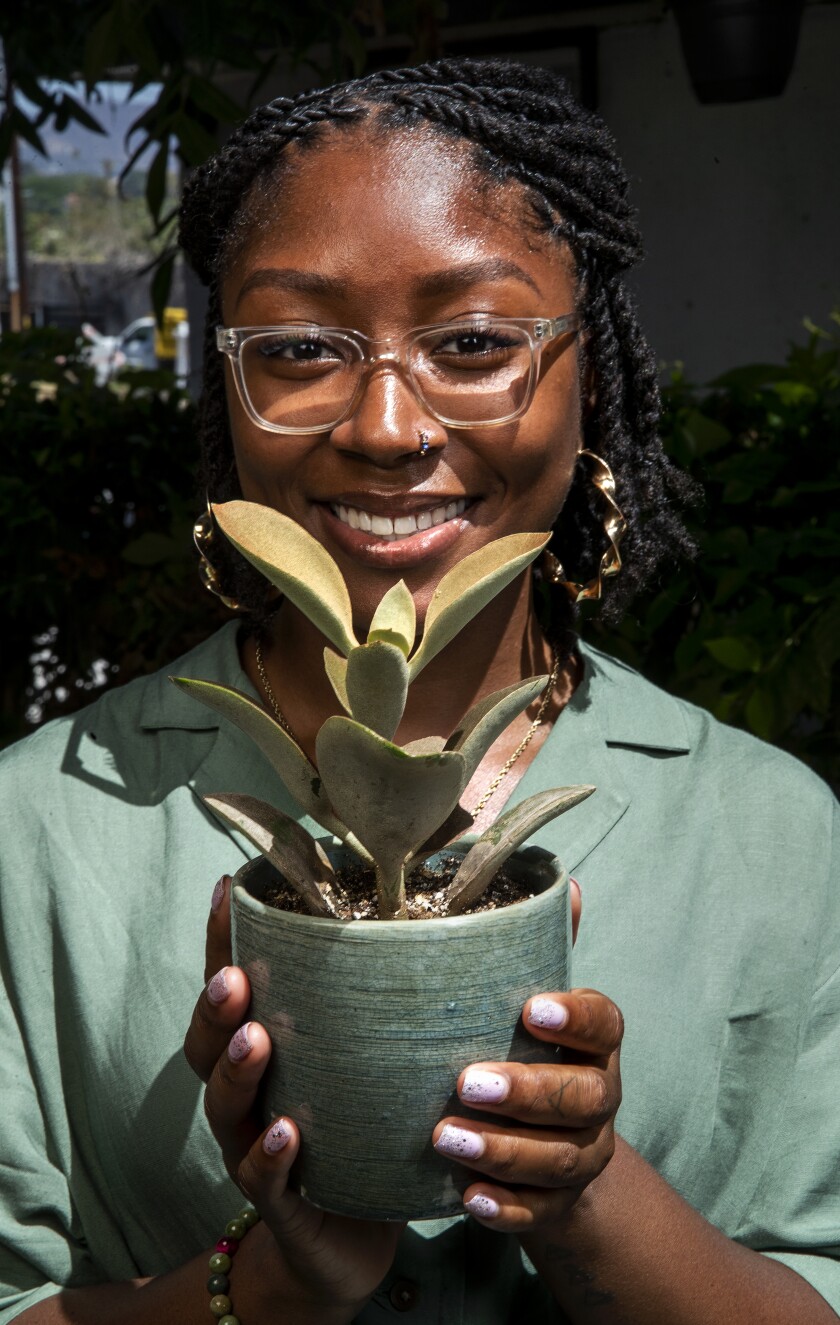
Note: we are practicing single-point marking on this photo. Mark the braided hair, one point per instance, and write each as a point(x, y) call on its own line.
point(524, 125)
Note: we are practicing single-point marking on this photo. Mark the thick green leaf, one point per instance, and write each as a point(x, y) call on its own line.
point(395, 619)
point(298, 857)
point(377, 686)
point(298, 775)
point(295, 562)
point(392, 801)
point(335, 667)
point(426, 745)
point(740, 655)
point(485, 721)
point(486, 857)
point(469, 587)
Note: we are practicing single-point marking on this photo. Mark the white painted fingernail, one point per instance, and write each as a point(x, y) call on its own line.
point(459, 1143)
point(548, 1014)
point(277, 1136)
point(482, 1206)
point(484, 1087)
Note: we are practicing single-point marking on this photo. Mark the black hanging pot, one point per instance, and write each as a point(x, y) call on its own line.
point(738, 50)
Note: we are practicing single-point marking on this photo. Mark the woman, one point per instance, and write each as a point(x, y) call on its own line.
point(478, 199)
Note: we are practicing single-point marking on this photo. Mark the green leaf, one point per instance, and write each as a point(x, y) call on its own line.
point(298, 775)
point(156, 179)
point(486, 857)
point(738, 654)
point(161, 285)
point(295, 563)
point(298, 857)
point(336, 669)
point(395, 620)
point(377, 686)
point(469, 587)
point(150, 549)
point(706, 434)
point(390, 800)
point(760, 713)
point(485, 721)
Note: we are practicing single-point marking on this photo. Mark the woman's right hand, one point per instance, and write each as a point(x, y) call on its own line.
point(329, 1264)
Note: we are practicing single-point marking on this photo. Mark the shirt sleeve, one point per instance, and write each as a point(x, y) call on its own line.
point(795, 1214)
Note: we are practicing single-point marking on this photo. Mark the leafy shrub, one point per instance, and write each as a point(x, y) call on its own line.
point(751, 631)
point(97, 499)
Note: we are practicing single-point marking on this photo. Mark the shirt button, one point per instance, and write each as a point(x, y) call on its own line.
point(404, 1295)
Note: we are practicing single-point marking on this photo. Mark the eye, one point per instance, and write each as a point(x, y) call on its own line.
point(476, 342)
point(298, 349)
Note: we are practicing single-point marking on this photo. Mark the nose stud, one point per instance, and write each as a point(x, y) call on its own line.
point(424, 441)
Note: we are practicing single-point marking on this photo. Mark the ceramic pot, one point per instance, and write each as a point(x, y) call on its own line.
point(372, 1022)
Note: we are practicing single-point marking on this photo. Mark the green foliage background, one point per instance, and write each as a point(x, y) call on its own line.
point(98, 496)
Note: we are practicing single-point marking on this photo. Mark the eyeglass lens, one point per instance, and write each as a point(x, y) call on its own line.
point(309, 378)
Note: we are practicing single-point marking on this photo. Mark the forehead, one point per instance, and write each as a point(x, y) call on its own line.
point(381, 210)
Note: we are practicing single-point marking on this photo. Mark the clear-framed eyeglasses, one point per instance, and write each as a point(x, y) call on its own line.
point(302, 378)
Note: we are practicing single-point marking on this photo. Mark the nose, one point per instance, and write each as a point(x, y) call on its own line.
point(389, 422)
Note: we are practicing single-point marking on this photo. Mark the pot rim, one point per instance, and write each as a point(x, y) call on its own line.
point(539, 860)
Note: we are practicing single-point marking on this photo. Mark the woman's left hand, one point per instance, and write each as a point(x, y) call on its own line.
point(555, 1132)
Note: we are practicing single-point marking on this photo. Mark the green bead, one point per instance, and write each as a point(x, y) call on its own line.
point(229, 1320)
point(249, 1217)
point(237, 1228)
point(220, 1305)
point(218, 1283)
point(220, 1262)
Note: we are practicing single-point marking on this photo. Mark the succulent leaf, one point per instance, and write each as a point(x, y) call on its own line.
point(469, 587)
point(299, 776)
point(395, 620)
point(295, 562)
point(377, 686)
point(485, 721)
point(336, 669)
point(487, 855)
point(391, 800)
point(426, 745)
point(459, 822)
point(291, 850)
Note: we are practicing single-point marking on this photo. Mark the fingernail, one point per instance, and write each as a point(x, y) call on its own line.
point(219, 893)
point(484, 1087)
point(240, 1046)
point(459, 1143)
point(544, 1012)
point(276, 1137)
point(218, 988)
point(483, 1206)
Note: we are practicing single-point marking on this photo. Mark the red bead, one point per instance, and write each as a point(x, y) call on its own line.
point(227, 1245)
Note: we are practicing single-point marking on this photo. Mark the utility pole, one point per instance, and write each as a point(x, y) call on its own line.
point(12, 211)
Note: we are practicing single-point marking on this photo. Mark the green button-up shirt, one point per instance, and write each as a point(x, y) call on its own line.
point(711, 915)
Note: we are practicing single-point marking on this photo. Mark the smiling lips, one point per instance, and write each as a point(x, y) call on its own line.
point(393, 528)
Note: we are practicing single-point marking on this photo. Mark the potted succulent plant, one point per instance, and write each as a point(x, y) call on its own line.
point(373, 1019)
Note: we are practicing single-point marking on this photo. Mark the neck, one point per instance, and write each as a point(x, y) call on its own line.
point(502, 645)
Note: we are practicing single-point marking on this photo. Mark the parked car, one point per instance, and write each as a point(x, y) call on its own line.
point(142, 344)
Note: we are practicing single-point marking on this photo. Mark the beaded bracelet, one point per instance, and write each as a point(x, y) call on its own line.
point(218, 1284)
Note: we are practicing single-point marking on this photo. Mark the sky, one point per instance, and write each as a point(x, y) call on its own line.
point(77, 149)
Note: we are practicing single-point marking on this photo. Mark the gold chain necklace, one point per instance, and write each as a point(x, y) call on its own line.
point(506, 767)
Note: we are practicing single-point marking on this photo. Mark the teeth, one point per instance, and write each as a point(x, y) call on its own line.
point(401, 526)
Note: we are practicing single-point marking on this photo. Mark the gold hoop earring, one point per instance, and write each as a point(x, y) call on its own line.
point(204, 535)
point(615, 527)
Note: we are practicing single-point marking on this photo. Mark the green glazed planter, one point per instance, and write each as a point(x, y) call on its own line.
point(372, 1022)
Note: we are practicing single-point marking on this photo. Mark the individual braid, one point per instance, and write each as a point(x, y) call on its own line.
point(523, 125)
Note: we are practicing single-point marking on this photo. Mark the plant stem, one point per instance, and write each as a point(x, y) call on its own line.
point(391, 895)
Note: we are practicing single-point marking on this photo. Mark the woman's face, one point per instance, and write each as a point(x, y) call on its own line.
point(385, 235)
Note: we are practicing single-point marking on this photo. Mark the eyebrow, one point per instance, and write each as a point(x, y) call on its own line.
point(450, 280)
